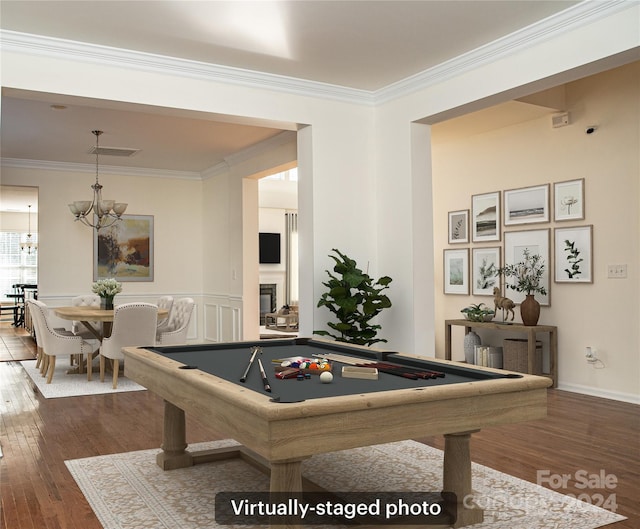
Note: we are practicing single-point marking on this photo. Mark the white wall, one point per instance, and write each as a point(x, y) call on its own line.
point(603, 314)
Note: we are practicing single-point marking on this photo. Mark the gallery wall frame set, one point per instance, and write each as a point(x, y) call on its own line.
point(572, 246)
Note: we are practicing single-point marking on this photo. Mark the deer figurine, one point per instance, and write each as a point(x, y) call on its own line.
point(503, 303)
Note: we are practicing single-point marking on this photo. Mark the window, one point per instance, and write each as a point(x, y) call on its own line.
point(16, 266)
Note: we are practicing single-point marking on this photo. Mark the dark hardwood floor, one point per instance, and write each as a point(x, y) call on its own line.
point(581, 434)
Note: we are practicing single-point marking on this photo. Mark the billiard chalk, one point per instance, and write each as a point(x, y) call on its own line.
point(300, 377)
point(326, 377)
point(307, 375)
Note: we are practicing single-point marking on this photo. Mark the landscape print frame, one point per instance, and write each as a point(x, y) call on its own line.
point(485, 265)
point(526, 205)
point(573, 250)
point(485, 217)
point(456, 271)
point(568, 200)
point(537, 242)
point(124, 250)
point(459, 226)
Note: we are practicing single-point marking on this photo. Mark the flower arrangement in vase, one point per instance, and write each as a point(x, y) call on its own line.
point(527, 276)
point(106, 289)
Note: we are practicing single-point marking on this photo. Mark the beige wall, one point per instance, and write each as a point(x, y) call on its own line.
point(604, 314)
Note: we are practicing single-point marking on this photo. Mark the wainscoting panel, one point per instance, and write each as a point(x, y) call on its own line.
point(222, 320)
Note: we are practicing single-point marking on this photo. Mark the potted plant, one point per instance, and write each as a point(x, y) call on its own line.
point(527, 276)
point(355, 299)
point(107, 290)
point(478, 312)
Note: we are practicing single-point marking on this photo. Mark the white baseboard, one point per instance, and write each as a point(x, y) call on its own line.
point(602, 393)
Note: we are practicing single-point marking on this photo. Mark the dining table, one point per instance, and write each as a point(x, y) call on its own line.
point(96, 320)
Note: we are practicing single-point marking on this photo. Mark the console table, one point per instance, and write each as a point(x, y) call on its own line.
point(529, 330)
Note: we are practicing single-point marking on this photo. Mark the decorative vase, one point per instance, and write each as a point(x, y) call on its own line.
point(106, 303)
point(530, 310)
point(471, 339)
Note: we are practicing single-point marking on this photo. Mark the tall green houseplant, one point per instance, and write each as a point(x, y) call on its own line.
point(355, 299)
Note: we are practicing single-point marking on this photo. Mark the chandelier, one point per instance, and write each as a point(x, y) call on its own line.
point(105, 212)
point(29, 245)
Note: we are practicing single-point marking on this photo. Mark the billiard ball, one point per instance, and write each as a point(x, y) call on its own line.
point(326, 377)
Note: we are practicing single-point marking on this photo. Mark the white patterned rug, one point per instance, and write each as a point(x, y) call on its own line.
point(64, 385)
point(130, 491)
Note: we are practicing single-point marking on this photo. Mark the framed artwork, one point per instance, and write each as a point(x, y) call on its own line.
point(574, 254)
point(456, 271)
point(459, 226)
point(568, 198)
point(526, 205)
point(485, 265)
point(124, 250)
point(485, 217)
point(537, 243)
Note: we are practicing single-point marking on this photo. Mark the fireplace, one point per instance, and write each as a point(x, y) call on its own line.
point(268, 301)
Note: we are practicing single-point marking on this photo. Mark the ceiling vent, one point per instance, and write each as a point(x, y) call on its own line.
point(113, 151)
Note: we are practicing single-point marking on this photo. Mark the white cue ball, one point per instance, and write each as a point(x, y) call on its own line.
point(326, 377)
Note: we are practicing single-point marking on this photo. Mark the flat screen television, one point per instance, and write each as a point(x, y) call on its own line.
point(269, 248)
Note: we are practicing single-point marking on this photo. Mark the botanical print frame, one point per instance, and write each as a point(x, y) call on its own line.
point(527, 205)
point(124, 250)
point(485, 217)
point(537, 242)
point(456, 271)
point(574, 254)
point(568, 200)
point(459, 226)
point(485, 265)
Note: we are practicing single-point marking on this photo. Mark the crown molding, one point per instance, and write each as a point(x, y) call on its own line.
point(573, 17)
point(65, 49)
point(70, 167)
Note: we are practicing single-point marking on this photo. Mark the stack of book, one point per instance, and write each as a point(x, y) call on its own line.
point(488, 356)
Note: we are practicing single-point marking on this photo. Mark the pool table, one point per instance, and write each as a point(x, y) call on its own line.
point(299, 418)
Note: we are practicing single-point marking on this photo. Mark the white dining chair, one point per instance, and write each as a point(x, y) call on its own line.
point(54, 343)
point(134, 325)
point(165, 302)
point(176, 331)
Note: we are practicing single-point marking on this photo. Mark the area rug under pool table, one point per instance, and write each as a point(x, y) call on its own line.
point(129, 491)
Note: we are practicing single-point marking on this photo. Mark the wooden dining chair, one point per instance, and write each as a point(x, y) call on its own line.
point(134, 325)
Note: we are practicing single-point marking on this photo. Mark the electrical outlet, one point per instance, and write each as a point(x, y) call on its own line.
point(617, 271)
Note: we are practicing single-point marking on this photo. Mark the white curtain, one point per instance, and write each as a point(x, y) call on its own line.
point(291, 241)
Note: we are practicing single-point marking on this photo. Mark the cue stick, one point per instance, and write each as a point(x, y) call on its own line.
point(265, 380)
point(253, 357)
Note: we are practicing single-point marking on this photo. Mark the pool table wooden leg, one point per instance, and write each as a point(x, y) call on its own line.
point(174, 454)
point(286, 476)
point(457, 477)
